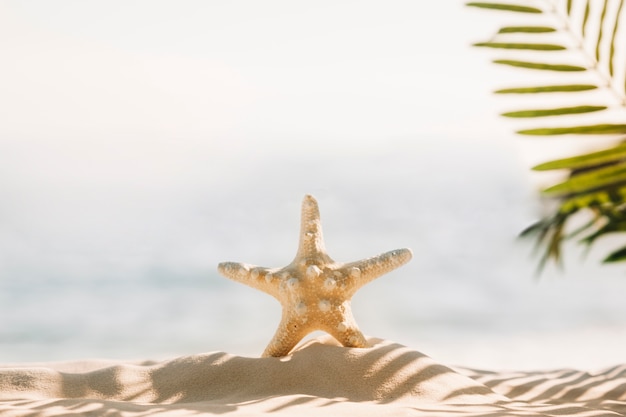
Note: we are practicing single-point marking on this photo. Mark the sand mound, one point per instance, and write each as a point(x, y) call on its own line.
point(319, 378)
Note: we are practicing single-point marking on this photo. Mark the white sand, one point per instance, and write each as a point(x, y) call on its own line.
point(318, 379)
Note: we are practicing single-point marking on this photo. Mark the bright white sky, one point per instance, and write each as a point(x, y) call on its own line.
point(80, 81)
point(88, 85)
point(228, 74)
point(164, 97)
point(108, 100)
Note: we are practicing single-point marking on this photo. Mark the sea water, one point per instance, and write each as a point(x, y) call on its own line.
point(128, 270)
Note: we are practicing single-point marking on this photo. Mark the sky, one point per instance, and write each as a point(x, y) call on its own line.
point(124, 123)
point(103, 101)
point(82, 81)
point(230, 69)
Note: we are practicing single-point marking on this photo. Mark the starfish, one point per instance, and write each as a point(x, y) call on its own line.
point(314, 290)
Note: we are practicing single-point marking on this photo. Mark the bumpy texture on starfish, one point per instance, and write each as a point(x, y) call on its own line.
point(314, 290)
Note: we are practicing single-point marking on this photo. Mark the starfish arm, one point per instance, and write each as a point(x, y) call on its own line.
point(345, 329)
point(311, 244)
point(254, 276)
point(351, 337)
point(364, 271)
point(290, 331)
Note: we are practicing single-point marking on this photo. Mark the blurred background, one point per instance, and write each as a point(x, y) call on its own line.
point(142, 142)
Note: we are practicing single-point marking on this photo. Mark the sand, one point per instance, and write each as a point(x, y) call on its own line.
point(319, 378)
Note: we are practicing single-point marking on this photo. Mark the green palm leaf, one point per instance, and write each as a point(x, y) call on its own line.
point(607, 156)
point(600, 29)
point(569, 88)
point(613, 37)
point(590, 181)
point(540, 65)
point(522, 46)
point(527, 29)
point(554, 112)
point(578, 202)
point(586, 19)
point(596, 181)
point(601, 129)
point(617, 256)
point(504, 6)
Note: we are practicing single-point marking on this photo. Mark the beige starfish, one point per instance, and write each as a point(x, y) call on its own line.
point(314, 290)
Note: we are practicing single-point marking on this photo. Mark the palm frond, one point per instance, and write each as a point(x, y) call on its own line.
point(554, 112)
point(586, 18)
point(591, 32)
point(617, 256)
point(568, 88)
point(593, 180)
point(607, 156)
point(540, 65)
point(527, 29)
point(505, 6)
point(614, 37)
point(600, 129)
point(522, 46)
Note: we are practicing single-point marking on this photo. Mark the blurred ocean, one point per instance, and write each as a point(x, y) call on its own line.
point(128, 269)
